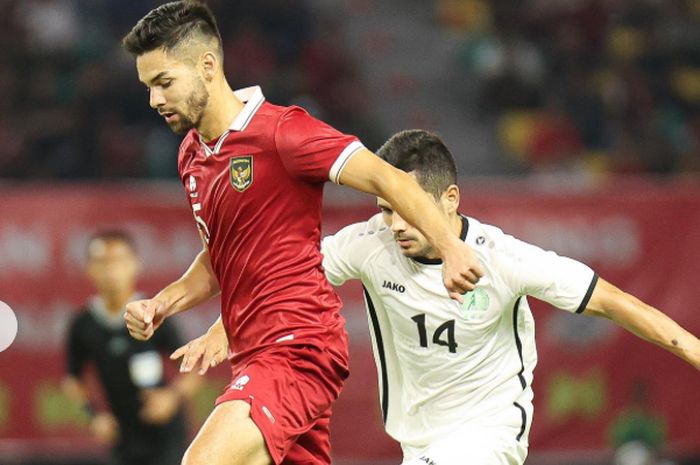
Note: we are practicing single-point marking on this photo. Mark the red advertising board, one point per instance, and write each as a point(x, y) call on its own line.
point(642, 236)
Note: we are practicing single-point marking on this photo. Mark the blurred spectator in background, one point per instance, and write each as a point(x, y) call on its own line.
point(638, 436)
point(146, 425)
point(594, 84)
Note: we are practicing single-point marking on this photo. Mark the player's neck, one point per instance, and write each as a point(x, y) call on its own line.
point(222, 109)
point(456, 224)
point(116, 301)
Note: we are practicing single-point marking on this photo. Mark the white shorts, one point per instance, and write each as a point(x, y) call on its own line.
point(471, 445)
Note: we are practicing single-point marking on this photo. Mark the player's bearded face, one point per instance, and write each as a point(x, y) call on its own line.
point(176, 90)
point(190, 114)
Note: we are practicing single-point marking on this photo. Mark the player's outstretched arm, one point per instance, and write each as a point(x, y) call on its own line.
point(208, 350)
point(643, 320)
point(366, 172)
point(196, 285)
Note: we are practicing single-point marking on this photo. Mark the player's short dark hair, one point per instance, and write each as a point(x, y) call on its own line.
point(169, 25)
point(424, 153)
point(108, 235)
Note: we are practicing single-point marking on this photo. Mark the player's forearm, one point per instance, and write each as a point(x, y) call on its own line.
point(366, 172)
point(186, 385)
point(649, 324)
point(196, 285)
point(417, 208)
point(216, 327)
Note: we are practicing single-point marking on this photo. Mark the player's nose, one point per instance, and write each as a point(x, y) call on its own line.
point(156, 99)
point(398, 224)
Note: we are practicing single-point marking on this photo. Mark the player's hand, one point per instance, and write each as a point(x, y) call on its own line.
point(461, 270)
point(143, 317)
point(207, 351)
point(105, 428)
point(159, 405)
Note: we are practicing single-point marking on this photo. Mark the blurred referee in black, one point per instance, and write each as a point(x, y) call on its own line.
point(146, 424)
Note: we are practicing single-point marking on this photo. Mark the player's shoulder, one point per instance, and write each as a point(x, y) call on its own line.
point(485, 238)
point(270, 114)
point(367, 235)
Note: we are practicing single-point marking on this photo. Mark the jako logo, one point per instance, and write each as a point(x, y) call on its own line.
point(394, 287)
point(427, 460)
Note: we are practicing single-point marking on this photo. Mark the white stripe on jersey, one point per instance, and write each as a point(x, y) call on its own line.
point(442, 364)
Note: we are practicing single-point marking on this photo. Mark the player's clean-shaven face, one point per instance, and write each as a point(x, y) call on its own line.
point(176, 90)
point(112, 266)
point(409, 239)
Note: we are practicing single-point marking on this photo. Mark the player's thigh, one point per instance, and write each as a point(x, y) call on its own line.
point(314, 446)
point(478, 446)
point(228, 437)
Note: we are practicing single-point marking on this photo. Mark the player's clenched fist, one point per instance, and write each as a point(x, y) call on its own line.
point(143, 317)
point(461, 270)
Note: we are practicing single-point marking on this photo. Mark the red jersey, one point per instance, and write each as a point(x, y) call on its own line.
point(256, 195)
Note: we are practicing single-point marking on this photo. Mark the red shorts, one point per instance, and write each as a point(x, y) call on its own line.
point(290, 390)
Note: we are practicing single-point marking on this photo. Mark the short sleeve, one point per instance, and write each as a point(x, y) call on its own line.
point(168, 337)
point(560, 281)
point(310, 149)
point(343, 254)
point(76, 352)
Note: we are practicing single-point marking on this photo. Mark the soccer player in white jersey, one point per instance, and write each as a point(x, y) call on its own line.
point(455, 379)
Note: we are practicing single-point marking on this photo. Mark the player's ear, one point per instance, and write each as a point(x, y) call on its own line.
point(450, 198)
point(209, 63)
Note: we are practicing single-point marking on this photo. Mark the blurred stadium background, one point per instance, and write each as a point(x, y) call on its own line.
point(576, 125)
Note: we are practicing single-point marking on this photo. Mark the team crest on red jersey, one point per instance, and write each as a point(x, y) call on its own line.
point(241, 172)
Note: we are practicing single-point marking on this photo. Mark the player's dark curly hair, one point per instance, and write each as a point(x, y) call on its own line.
point(171, 24)
point(426, 154)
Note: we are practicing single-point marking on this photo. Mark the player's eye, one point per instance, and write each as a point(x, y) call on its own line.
point(166, 84)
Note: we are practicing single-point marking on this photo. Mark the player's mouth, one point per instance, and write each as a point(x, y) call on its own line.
point(404, 242)
point(170, 117)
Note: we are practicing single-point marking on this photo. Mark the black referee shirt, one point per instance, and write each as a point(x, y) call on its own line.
point(125, 367)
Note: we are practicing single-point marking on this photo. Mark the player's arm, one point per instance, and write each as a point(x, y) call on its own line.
point(644, 321)
point(366, 172)
point(197, 284)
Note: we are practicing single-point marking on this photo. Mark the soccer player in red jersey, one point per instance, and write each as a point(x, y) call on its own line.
point(254, 175)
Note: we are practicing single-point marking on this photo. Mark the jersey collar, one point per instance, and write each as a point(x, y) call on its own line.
point(438, 261)
point(253, 99)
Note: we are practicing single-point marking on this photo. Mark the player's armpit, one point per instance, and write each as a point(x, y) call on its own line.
point(644, 321)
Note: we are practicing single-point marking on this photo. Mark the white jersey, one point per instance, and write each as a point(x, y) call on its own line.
point(441, 364)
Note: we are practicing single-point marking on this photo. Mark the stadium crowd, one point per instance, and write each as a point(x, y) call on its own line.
point(608, 85)
point(599, 85)
point(71, 107)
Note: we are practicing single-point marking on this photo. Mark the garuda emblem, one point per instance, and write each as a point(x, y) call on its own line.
point(241, 172)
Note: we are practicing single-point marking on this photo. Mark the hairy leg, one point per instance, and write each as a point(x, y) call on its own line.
point(228, 437)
